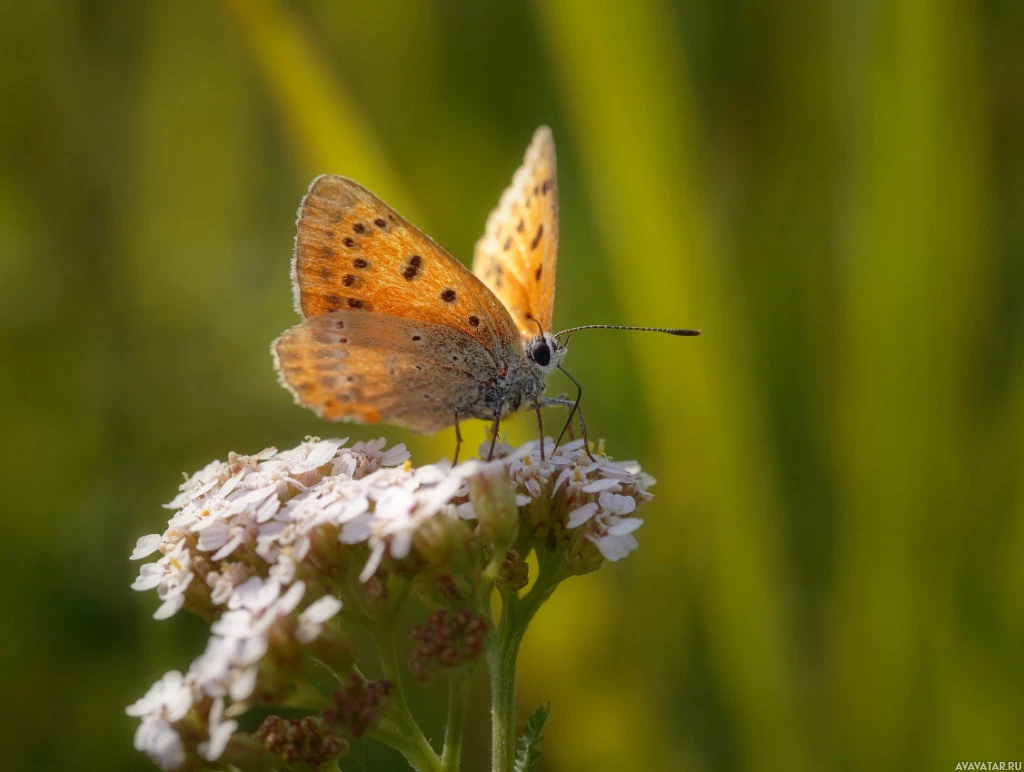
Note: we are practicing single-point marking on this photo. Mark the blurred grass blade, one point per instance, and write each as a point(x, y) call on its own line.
point(633, 126)
point(329, 129)
point(912, 310)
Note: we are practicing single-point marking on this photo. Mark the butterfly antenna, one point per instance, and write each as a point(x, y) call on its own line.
point(670, 330)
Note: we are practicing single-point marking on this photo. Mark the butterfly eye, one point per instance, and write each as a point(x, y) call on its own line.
point(541, 353)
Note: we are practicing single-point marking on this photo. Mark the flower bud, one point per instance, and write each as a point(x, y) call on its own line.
point(514, 574)
point(581, 554)
point(357, 706)
point(494, 501)
point(327, 556)
point(300, 740)
point(443, 540)
point(446, 639)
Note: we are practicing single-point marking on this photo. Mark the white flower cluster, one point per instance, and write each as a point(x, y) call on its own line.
point(229, 667)
point(598, 494)
point(246, 548)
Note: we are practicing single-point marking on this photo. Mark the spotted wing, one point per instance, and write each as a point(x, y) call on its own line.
point(355, 253)
point(370, 368)
point(517, 254)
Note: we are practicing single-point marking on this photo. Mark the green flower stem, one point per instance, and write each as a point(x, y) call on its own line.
point(503, 653)
point(501, 664)
point(552, 571)
point(401, 730)
point(398, 728)
point(416, 750)
point(460, 683)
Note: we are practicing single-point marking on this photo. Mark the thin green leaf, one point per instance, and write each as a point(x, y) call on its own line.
point(529, 744)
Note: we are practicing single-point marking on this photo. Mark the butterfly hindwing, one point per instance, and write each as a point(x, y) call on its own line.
point(517, 254)
point(355, 366)
point(354, 253)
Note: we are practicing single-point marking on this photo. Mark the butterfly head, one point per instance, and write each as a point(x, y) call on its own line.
point(546, 352)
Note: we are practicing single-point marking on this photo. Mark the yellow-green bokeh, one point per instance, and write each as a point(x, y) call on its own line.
point(830, 576)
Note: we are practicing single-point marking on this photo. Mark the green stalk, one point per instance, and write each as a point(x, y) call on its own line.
point(416, 750)
point(460, 683)
point(502, 656)
point(401, 730)
point(501, 664)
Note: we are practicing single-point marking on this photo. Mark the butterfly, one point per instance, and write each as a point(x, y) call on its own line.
point(396, 330)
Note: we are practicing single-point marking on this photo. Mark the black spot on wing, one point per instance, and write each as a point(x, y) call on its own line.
point(536, 239)
point(412, 267)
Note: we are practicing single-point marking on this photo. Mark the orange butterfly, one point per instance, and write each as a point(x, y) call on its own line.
point(396, 330)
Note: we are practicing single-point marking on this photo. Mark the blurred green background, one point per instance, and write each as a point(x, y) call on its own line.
point(832, 572)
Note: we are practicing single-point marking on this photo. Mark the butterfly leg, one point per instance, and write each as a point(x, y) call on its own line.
point(572, 410)
point(494, 431)
point(568, 424)
point(583, 424)
point(540, 427)
point(583, 431)
point(458, 439)
point(570, 431)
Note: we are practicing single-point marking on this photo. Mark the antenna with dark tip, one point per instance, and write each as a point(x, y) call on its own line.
point(669, 330)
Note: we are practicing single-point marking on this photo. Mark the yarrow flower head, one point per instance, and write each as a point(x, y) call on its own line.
point(281, 551)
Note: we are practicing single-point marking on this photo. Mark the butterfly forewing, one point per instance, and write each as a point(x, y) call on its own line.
point(354, 253)
point(517, 254)
point(355, 366)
